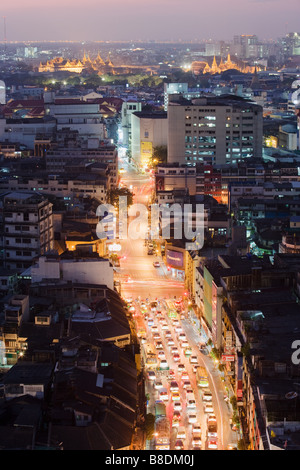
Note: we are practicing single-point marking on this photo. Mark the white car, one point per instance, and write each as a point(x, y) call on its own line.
point(193, 360)
point(170, 342)
point(208, 408)
point(191, 403)
point(164, 364)
point(158, 385)
point(207, 396)
point(151, 375)
point(196, 429)
point(197, 442)
point(192, 418)
point(186, 384)
point(177, 406)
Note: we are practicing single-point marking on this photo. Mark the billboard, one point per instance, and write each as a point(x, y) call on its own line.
point(174, 258)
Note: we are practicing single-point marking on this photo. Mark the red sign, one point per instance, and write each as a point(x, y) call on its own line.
point(228, 358)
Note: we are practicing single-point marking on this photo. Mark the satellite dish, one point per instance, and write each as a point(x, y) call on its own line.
point(291, 395)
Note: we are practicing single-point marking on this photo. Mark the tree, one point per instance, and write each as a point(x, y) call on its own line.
point(159, 155)
point(114, 194)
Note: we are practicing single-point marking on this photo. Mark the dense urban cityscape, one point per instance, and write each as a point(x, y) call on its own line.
point(125, 324)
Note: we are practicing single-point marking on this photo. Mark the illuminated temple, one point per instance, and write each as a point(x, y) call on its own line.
point(199, 67)
point(59, 64)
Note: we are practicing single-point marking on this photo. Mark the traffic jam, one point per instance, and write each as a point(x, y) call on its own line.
point(177, 386)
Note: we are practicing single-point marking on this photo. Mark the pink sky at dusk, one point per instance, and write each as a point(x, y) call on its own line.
point(118, 20)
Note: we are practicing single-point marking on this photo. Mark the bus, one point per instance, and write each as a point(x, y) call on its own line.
point(202, 377)
point(160, 409)
point(162, 433)
point(150, 357)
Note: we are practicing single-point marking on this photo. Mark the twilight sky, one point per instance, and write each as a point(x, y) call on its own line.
point(117, 20)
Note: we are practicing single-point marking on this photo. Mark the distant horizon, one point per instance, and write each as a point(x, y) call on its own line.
point(132, 21)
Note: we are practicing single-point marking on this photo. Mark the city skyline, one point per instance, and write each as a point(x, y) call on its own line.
point(163, 22)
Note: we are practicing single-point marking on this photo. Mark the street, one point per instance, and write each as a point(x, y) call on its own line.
point(162, 330)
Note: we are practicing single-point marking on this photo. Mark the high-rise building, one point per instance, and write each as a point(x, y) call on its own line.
point(213, 130)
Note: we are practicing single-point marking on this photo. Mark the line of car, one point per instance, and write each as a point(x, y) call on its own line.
point(174, 396)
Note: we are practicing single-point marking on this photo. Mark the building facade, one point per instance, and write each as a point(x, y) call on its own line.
point(222, 130)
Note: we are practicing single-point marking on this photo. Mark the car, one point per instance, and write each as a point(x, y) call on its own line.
point(175, 422)
point(154, 328)
point(164, 364)
point(164, 326)
point(191, 403)
point(175, 396)
point(170, 342)
point(197, 441)
point(193, 360)
point(163, 394)
point(168, 334)
point(181, 367)
point(188, 351)
point(159, 345)
point(195, 367)
point(174, 350)
point(182, 337)
point(192, 418)
point(185, 376)
point(212, 444)
point(178, 329)
point(185, 345)
point(161, 353)
point(208, 408)
point(174, 386)
point(177, 414)
point(186, 384)
point(157, 337)
point(181, 433)
point(179, 445)
point(158, 385)
point(196, 429)
point(206, 395)
point(156, 264)
point(171, 375)
point(176, 357)
point(151, 375)
point(177, 406)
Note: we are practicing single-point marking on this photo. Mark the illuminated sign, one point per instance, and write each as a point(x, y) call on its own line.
point(174, 258)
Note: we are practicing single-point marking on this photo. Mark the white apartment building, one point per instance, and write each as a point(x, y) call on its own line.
point(67, 188)
point(128, 107)
point(149, 130)
point(24, 131)
point(27, 228)
point(78, 115)
point(78, 270)
point(213, 130)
